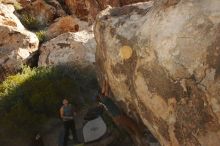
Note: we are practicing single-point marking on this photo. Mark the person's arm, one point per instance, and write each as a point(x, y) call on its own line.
point(61, 113)
point(74, 111)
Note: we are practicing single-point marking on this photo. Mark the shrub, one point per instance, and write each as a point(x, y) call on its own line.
point(33, 96)
point(30, 22)
point(17, 6)
point(47, 1)
point(41, 35)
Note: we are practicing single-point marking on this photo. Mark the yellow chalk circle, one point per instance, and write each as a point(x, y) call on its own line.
point(125, 52)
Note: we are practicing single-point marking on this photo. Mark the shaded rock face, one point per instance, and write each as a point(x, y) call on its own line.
point(69, 48)
point(78, 8)
point(59, 9)
point(163, 61)
point(41, 11)
point(16, 43)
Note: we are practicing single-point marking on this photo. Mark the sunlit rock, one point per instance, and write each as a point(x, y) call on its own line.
point(69, 48)
point(162, 63)
point(16, 43)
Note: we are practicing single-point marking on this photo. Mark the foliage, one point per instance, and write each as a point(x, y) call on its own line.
point(17, 6)
point(30, 98)
point(41, 35)
point(30, 22)
point(47, 1)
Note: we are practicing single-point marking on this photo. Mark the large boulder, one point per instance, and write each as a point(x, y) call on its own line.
point(162, 63)
point(69, 49)
point(16, 43)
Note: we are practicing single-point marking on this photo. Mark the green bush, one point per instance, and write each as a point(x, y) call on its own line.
point(30, 22)
point(47, 1)
point(17, 6)
point(30, 98)
point(41, 35)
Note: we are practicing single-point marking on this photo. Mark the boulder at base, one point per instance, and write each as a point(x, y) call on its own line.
point(162, 62)
point(16, 43)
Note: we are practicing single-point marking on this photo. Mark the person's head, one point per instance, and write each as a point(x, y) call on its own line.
point(65, 101)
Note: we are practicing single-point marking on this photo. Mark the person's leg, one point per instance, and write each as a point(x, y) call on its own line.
point(73, 130)
point(61, 138)
point(66, 132)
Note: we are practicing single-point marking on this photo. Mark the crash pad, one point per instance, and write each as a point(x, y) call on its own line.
point(94, 129)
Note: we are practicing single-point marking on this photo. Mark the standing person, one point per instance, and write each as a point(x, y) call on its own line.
point(67, 114)
point(119, 118)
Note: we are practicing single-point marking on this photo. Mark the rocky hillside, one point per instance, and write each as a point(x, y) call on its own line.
point(162, 64)
point(16, 43)
point(48, 19)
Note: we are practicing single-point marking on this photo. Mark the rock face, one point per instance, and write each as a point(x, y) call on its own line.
point(69, 48)
point(23, 3)
point(16, 43)
point(78, 8)
point(127, 2)
point(162, 63)
point(88, 9)
point(59, 10)
point(41, 11)
point(95, 6)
